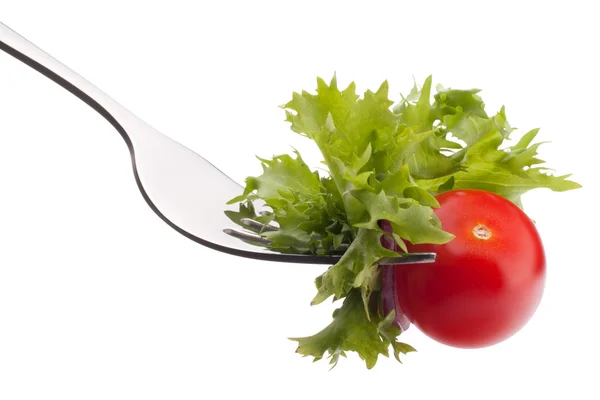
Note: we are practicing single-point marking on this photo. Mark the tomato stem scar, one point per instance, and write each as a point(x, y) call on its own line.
point(482, 232)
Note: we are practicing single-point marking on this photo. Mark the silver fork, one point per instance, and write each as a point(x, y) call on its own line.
point(169, 175)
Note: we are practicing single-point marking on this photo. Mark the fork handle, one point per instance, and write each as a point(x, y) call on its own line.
point(31, 55)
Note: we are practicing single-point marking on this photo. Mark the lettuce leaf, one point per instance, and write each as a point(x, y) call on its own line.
point(384, 161)
point(353, 330)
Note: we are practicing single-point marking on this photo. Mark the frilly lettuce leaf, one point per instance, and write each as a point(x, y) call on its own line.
point(353, 330)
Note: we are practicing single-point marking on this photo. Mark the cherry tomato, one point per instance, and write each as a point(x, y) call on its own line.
point(486, 283)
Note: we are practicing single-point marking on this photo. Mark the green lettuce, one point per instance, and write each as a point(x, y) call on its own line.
point(384, 161)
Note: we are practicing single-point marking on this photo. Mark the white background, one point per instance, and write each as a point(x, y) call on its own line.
point(100, 299)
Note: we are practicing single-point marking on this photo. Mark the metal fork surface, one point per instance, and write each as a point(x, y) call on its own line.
point(170, 176)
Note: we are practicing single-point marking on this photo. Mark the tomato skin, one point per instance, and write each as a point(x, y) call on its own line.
point(480, 290)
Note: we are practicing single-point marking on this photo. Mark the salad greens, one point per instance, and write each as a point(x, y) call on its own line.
point(385, 161)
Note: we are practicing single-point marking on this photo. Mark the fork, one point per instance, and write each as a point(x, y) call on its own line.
point(169, 174)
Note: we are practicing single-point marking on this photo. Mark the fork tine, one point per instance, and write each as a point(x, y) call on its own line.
point(250, 237)
point(408, 258)
point(250, 223)
point(260, 227)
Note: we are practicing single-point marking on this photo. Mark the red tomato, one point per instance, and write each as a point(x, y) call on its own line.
point(486, 283)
